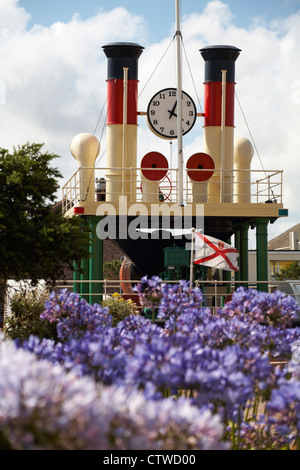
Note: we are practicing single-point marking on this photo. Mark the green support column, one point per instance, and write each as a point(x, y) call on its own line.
point(76, 278)
point(81, 273)
point(227, 277)
point(85, 275)
point(227, 274)
point(96, 262)
point(244, 275)
point(237, 242)
point(262, 253)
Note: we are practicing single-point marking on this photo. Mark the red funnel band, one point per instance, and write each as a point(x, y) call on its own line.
point(213, 104)
point(115, 94)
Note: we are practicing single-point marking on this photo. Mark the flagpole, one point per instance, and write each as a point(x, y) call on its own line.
point(192, 259)
point(179, 105)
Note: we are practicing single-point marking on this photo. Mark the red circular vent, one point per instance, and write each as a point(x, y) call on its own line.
point(152, 164)
point(200, 161)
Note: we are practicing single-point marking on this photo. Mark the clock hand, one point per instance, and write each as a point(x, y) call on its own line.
point(172, 112)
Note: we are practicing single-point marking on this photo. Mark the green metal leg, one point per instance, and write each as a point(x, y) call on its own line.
point(237, 242)
point(81, 273)
point(227, 275)
point(244, 276)
point(96, 263)
point(84, 286)
point(76, 278)
point(262, 253)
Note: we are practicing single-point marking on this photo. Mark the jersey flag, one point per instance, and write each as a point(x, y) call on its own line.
point(215, 253)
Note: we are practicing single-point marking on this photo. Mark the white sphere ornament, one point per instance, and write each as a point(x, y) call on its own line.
point(244, 151)
point(85, 148)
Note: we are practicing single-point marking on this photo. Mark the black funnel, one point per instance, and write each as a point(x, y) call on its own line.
point(218, 58)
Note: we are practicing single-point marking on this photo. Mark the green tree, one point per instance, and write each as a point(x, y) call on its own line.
point(37, 242)
point(26, 308)
point(111, 269)
point(291, 272)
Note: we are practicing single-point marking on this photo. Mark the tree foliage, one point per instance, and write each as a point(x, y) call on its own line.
point(291, 272)
point(26, 309)
point(111, 269)
point(37, 242)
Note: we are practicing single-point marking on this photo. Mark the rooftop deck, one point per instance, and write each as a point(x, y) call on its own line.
point(256, 193)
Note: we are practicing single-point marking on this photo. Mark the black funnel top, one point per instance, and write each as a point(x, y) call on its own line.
point(218, 58)
point(122, 54)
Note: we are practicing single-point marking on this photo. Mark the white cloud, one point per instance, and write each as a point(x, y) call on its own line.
point(12, 17)
point(55, 82)
point(55, 77)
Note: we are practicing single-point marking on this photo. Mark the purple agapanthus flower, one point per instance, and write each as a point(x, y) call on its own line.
point(43, 407)
point(219, 361)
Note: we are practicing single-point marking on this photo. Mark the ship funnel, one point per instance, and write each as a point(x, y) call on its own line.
point(121, 128)
point(219, 90)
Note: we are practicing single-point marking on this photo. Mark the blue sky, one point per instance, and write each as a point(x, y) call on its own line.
point(53, 84)
point(159, 14)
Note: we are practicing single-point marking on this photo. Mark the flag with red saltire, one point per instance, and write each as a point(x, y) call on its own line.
point(215, 253)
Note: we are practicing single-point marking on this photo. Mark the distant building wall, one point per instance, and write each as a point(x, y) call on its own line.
point(288, 240)
point(277, 260)
point(111, 251)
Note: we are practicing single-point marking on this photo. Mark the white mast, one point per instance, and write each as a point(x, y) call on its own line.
point(179, 106)
point(223, 137)
point(125, 108)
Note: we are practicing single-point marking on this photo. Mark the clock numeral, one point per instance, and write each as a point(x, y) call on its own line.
point(163, 115)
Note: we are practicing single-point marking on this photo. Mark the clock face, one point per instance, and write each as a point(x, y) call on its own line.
point(162, 113)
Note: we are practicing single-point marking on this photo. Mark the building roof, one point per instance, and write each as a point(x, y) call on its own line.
point(282, 241)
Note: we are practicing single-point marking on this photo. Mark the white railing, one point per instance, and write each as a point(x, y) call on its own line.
point(83, 186)
point(215, 292)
